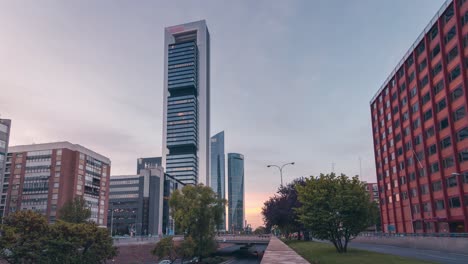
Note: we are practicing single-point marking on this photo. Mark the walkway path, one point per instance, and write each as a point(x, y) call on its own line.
point(279, 253)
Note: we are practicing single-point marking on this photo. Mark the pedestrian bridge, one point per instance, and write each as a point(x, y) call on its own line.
point(243, 239)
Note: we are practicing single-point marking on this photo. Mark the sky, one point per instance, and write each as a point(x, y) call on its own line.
point(290, 80)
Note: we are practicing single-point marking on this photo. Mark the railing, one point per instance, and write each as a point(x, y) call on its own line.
point(380, 234)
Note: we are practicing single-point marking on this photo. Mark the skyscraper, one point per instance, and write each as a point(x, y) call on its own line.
point(148, 163)
point(186, 124)
point(5, 125)
point(420, 130)
point(218, 178)
point(236, 196)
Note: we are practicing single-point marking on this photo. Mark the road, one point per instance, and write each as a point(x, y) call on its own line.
point(422, 254)
point(242, 256)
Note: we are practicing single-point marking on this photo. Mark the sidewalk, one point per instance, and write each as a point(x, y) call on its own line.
point(279, 253)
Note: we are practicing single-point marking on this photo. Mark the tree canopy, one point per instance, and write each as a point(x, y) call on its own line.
point(75, 211)
point(335, 208)
point(197, 211)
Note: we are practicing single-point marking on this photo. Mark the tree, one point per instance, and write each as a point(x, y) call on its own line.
point(75, 211)
point(280, 211)
point(260, 230)
point(186, 249)
point(197, 211)
point(335, 208)
point(165, 249)
point(23, 238)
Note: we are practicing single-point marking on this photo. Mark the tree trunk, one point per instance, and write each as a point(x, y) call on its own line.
point(306, 235)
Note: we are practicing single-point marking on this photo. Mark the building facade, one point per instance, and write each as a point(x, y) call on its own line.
point(218, 177)
point(236, 195)
point(420, 130)
point(148, 163)
point(170, 185)
point(135, 202)
point(5, 126)
point(42, 177)
point(373, 190)
point(186, 125)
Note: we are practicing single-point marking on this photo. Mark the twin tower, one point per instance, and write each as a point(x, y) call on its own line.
point(186, 125)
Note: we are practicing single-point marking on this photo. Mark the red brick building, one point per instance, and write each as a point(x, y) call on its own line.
point(373, 190)
point(42, 177)
point(420, 130)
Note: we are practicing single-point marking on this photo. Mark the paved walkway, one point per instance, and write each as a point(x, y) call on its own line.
point(279, 253)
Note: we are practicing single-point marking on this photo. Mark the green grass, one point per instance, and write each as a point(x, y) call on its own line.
point(321, 253)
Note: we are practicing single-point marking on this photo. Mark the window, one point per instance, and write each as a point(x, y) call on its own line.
point(426, 98)
point(404, 195)
point(421, 47)
point(418, 140)
point(434, 167)
point(401, 72)
point(412, 176)
point(409, 161)
point(410, 61)
point(438, 87)
point(430, 132)
point(454, 202)
point(454, 73)
point(415, 107)
point(464, 19)
point(432, 150)
point(415, 209)
point(414, 192)
point(462, 134)
point(450, 34)
point(452, 181)
point(435, 51)
point(405, 116)
point(448, 162)
point(405, 100)
point(411, 77)
point(445, 143)
point(402, 180)
point(424, 189)
point(439, 205)
point(441, 105)
point(437, 186)
point(427, 207)
point(456, 93)
point(463, 155)
point(424, 81)
point(422, 65)
point(434, 32)
point(428, 115)
point(437, 68)
point(452, 54)
point(399, 151)
point(443, 124)
point(459, 113)
point(397, 137)
point(397, 123)
point(448, 13)
point(416, 123)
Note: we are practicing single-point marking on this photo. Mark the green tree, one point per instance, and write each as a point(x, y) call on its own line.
point(23, 238)
point(335, 208)
point(75, 211)
point(260, 230)
point(197, 211)
point(186, 249)
point(165, 249)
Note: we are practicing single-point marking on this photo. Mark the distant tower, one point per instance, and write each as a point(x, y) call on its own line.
point(5, 125)
point(186, 132)
point(218, 177)
point(236, 193)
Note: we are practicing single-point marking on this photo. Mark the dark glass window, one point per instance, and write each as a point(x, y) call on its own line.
point(410, 61)
point(435, 51)
point(421, 47)
point(448, 13)
point(424, 81)
point(413, 92)
point(452, 54)
point(452, 181)
point(454, 73)
point(459, 113)
point(463, 155)
point(441, 105)
point(400, 151)
point(416, 123)
point(457, 93)
point(437, 186)
point(403, 87)
point(432, 149)
point(462, 134)
point(428, 115)
point(434, 32)
point(434, 167)
point(450, 34)
point(394, 96)
point(417, 140)
point(411, 77)
point(437, 68)
point(454, 202)
point(445, 143)
point(448, 162)
point(430, 132)
point(422, 65)
point(414, 192)
point(401, 72)
point(439, 205)
point(426, 98)
point(404, 101)
point(424, 189)
point(438, 87)
point(443, 124)
point(464, 19)
point(397, 123)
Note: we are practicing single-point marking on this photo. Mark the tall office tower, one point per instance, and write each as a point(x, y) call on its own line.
point(236, 196)
point(45, 176)
point(420, 130)
point(148, 163)
point(5, 125)
point(186, 133)
point(218, 178)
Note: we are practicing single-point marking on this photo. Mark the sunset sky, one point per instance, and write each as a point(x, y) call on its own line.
point(290, 80)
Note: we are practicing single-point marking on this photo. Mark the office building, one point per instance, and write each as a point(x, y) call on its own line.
point(218, 171)
point(148, 163)
point(135, 202)
point(420, 130)
point(42, 177)
point(170, 185)
point(186, 125)
point(373, 190)
point(5, 125)
point(236, 195)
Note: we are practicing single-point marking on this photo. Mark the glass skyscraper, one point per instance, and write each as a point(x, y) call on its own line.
point(236, 195)
point(218, 178)
point(187, 103)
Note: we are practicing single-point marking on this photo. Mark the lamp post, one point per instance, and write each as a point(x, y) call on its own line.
point(280, 168)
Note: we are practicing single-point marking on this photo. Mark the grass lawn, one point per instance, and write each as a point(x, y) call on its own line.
point(323, 253)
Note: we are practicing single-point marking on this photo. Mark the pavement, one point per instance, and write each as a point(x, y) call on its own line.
point(279, 253)
point(422, 254)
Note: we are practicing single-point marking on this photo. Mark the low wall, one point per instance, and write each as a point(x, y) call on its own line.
point(447, 244)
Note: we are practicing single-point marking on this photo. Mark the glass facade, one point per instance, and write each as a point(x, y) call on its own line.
point(236, 203)
point(218, 178)
point(4, 137)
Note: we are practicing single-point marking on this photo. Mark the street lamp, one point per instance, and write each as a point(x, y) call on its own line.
point(281, 169)
point(112, 219)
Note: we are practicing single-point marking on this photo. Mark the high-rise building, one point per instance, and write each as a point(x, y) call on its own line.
point(186, 132)
point(420, 130)
point(42, 177)
point(218, 177)
point(148, 163)
point(373, 190)
point(236, 197)
point(5, 125)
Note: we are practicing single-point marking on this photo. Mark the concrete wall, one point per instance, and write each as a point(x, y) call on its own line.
point(448, 244)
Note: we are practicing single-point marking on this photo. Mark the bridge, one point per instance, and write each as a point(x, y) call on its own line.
point(243, 239)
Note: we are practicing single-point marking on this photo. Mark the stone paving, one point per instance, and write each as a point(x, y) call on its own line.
point(279, 253)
